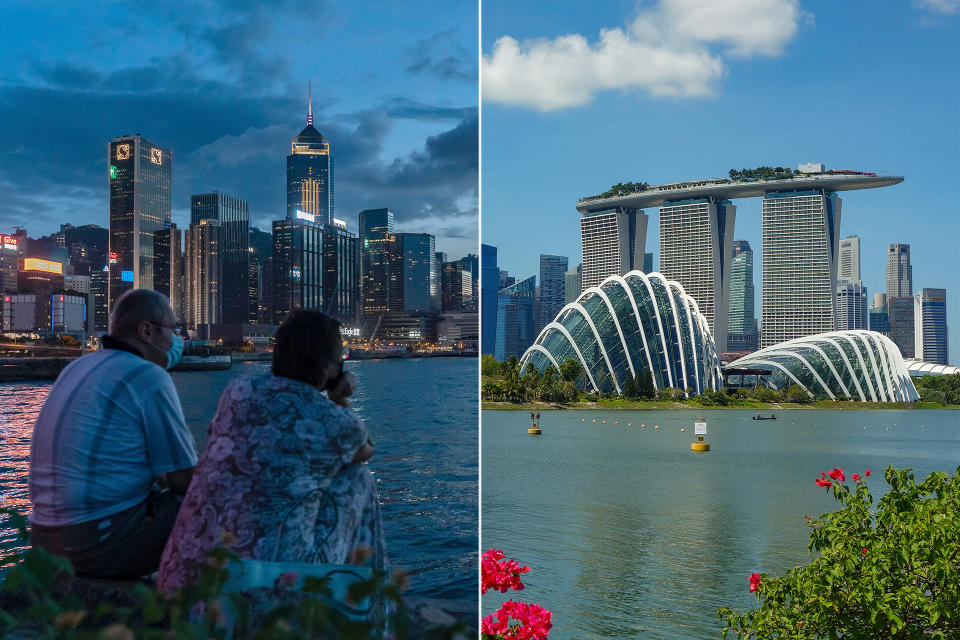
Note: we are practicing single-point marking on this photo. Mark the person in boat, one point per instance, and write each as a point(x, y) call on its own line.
point(110, 436)
point(283, 477)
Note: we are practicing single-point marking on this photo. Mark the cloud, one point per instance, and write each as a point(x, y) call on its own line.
point(675, 49)
point(948, 7)
point(443, 55)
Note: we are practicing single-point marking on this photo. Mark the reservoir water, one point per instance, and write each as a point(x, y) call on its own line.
point(422, 417)
point(630, 534)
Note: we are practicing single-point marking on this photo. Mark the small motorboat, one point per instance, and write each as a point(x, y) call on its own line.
point(770, 417)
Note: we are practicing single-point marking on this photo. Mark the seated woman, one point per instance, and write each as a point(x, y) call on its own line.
point(282, 473)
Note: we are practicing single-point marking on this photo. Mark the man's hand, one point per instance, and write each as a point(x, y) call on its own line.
point(179, 481)
point(363, 453)
point(342, 390)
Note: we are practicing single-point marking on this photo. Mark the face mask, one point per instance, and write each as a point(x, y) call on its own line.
point(175, 351)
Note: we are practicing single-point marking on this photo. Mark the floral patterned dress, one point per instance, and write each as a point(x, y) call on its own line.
point(277, 475)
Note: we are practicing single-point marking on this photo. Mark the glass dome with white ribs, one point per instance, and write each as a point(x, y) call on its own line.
point(856, 364)
point(625, 325)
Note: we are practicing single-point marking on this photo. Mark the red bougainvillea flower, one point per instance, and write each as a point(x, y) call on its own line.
point(864, 550)
point(534, 622)
point(837, 474)
point(499, 574)
point(823, 482)
point(754, 581)
point(866, 474)
point(856, 477)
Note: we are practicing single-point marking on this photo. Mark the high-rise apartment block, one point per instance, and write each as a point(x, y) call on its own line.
point(140, 175)
point(742, 321)
point(613, 243)
point(899, 271)
point(310, 175)
point(930, 325)
point(849, 268)
point(800, 233)
point(696, 245)
point(233, 214)
point(553, 287)
point(202, 274)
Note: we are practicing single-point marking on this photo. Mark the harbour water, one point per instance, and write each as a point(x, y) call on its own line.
point(421, 415)
point(630, 534)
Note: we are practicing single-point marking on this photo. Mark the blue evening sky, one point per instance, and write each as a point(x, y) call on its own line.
point(868, 87)
point(223, 83)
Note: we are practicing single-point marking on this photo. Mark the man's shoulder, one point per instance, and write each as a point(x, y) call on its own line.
point(125, 368)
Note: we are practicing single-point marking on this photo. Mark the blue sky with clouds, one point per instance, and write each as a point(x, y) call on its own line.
point(577, 98)
point(223, 83)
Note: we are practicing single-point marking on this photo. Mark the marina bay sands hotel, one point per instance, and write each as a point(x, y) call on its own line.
point(800, 243)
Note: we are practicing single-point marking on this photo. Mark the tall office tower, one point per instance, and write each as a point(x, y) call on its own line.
point(457, 286)
point(879, 300)
point(471, 263)
point(87, 245)
point(516, 322)
point(742, 322)
point(851, 305)
point(376, 246)
point(553, 287)
point(310, 174)
point(902, 330)
point(648, 263)
point(879, 319)
point(253, 289)
point(930, 322)
point(419, 272)
point(800, 235)
point(572, 288)
point(849, 267)
point(9, 263)
point(233, 214)
point(297, 267)
point(166, 266)
point(489, 279)
point(696, 247)
point(341, 273)
point(899, 271)
point(613, 243)
point(261, 248)
point(202, 274)
point(140, 176)
point(100, 314)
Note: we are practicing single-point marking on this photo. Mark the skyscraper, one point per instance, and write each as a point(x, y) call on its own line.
point(648, 263)
point(233, 214)
point(457, 286)
point(879, 319)
point(310, 174)
point(420, 272)
point(553, 287)
point(297, 267)
point(98, 316)
point(516, 322)
point(341, 273)
point(166, 257)
point(851, 305)
point(202, 274)
point(899, 271)
point(902, 330)
point(696, 239)
point(849, 268)
point(572, 284)
point(742, 322)
point(800, 234)
point(613, 243)
point(489, 279)
point(930, 325)
point(140, 176)
point(376, 246)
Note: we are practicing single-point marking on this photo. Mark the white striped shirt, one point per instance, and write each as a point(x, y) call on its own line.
point(111, 422)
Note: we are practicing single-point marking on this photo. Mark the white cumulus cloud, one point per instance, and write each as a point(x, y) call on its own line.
point(676, 48)
point(939, 6)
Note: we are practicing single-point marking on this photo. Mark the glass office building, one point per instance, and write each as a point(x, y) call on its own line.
point(516, 318)
point(376, 245)
point(310, 175)
point(233, 214)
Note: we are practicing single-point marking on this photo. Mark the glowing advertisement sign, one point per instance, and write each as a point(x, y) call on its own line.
point(340, 224)
point(8, 242)
point(126, 276)
point(114, 256)
point(350, 331)
point(303, 215)
point(34, 264)
point(113, 172)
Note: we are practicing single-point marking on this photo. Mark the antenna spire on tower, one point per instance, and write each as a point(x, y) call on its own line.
point(309, 104)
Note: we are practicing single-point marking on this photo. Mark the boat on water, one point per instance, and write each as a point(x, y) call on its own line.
point(203, 358)
point(770, 417)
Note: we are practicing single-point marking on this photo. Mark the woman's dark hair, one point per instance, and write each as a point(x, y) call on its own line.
point(305, 344)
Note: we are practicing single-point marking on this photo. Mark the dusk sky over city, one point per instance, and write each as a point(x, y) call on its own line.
point(581, 97)
point(223, 84)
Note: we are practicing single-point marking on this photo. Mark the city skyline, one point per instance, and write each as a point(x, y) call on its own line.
point(226, 96)
point(829, 102)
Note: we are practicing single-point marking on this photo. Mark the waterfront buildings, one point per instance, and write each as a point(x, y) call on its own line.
point(851, 305)
point(310, 174)
point(613, 243)
point(489, 279)
point(553, 285)
point(572, 285)
point(9, 262)
point(99, 314)
point(457, 286)
point(140, 176)
point(419, 272)
point(516, 319)
point(261, 264)
point(900, 311)
point(376, 247)
point(742, 321)
point(899, 271)
point(696, 237)
point(341, 273)
point(297, 267)
point(233, 214)
point(202, 274)
point(930, 325)
point(167, 266)
point(849, 268)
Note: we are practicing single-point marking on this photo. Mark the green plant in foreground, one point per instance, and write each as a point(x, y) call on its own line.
point(890, 571)
point(35, 604)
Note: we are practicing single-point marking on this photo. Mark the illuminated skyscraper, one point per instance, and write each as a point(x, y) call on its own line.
point(140, 176)
point(202, 274)
point(310, 174)
point(376, 231)
point(233, 214)
point(166, 257)
point(419, 272)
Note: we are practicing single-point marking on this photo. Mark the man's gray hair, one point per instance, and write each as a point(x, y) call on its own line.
point(134, 307)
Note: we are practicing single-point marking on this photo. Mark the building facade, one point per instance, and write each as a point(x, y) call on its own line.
point(930, 325)
point(572, 284)
point(489, 279)
point(141, 178)
point(851, 306)
point(742, 320)
point(902, 330)
point(310, 174)
point(202, 274)
point(899, 271)
point(297, 267)
point(800, 234)
point(613, 243)
point(233, 214)
point(419, 271)
point(696, 248)
point(168, 278)
point(516, 319)
point(376, 249)
point(341, 274)
point(849, 267)
point(553, 287)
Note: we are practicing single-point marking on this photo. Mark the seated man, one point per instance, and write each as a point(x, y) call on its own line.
point(111, 426)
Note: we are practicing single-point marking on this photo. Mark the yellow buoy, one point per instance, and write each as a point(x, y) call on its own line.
point(700, 428)
point(699, 446)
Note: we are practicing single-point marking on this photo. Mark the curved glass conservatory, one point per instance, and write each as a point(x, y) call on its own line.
point(625, 325)
point(858, 364)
